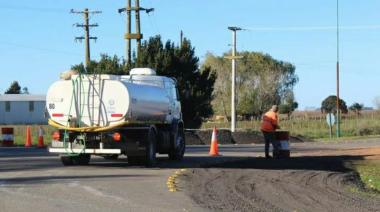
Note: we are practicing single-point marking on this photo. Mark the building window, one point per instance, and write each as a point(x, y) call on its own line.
point(7, 106)
point(31, 106)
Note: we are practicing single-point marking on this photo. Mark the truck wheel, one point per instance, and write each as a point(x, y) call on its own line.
point(82, 159)
point(178, 149)
point(150, 154)
point(135, 160)
point(111, 157)
point(67, 160)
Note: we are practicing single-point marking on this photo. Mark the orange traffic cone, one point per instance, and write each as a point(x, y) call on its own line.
point(40, 143)
point(214, 144)
point(28, 142)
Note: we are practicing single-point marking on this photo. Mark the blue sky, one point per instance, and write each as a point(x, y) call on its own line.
point(37, 38)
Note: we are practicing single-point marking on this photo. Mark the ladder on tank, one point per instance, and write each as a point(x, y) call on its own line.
point(92, 102)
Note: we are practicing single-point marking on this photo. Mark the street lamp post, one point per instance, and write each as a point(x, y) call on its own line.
point(233, 77)
point(337, 72)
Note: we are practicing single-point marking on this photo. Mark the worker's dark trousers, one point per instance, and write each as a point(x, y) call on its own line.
point(269, 137)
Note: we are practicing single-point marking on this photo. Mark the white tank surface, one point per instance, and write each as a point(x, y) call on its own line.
point(104, 100)
point(142, 71)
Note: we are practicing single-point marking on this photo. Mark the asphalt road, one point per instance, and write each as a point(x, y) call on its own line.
point(33, 179)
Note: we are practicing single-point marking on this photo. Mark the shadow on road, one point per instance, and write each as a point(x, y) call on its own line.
point(319, 163)
point(326, 163)
point(62, 178)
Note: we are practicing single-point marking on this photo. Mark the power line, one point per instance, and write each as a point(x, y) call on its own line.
point(47, 50)
point(314, 28)
point(86, 26)
point(36, 9)
point(152, 20)
point(129, 35)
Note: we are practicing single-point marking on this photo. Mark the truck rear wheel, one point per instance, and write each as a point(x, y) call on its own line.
point(111, 157)
point(67, 160)
point(135, 160)
point(150, 150)
point(178, 149)
point(148, 157)
point(82, 159)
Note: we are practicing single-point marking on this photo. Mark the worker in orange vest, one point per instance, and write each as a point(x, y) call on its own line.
point(269, 124)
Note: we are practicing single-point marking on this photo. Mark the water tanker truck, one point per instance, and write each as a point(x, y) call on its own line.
point(137, 115)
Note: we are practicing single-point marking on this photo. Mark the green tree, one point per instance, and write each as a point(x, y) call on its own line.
point(357, 108)
point(289, 104)
point(14, 88)
point(195, 85)
point(261, 81)
point(329, 105)
point(287, 108)
point(25, 90)
point(106, 65)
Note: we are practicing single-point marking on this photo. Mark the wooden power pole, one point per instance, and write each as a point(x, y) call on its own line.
point(181, 39)
point(129, 36)
point(86, 26)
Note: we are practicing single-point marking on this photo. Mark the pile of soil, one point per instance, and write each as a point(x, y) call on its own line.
point(196, 137)
point(225, 136)
point(299, 184)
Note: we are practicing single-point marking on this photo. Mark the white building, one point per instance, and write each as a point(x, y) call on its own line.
point(22, 109)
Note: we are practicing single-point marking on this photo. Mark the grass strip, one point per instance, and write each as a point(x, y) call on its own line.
point(369, 171)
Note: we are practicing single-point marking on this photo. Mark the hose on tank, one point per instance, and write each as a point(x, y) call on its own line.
point(75, 85)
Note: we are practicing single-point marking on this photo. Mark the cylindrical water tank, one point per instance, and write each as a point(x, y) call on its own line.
point(107, 100)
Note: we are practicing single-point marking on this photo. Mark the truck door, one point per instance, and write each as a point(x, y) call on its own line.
point(175, 106)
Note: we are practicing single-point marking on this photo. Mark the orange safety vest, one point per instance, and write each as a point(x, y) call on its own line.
point(269, 122)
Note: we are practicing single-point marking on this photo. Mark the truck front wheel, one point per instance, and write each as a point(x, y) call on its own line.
point(178, 148)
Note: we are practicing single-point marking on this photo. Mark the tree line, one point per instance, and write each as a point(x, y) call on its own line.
point(205, 89)
point(195, 84)
point(261, 82)
point(15, 88)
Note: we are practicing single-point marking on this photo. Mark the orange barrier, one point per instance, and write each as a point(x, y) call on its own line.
point(7, 136)
point(214, 144)
point(40, 143)
point(28, 141)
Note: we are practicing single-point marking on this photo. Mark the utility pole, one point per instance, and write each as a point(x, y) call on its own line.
point(233, 77)
point(181, 39)
point(137, 17)
point(337, 72)
point(86, 26)
point(129, 35)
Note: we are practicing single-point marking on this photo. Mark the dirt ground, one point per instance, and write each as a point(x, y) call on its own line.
point(201, 137)
point(318, 181)
point(366, 153)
